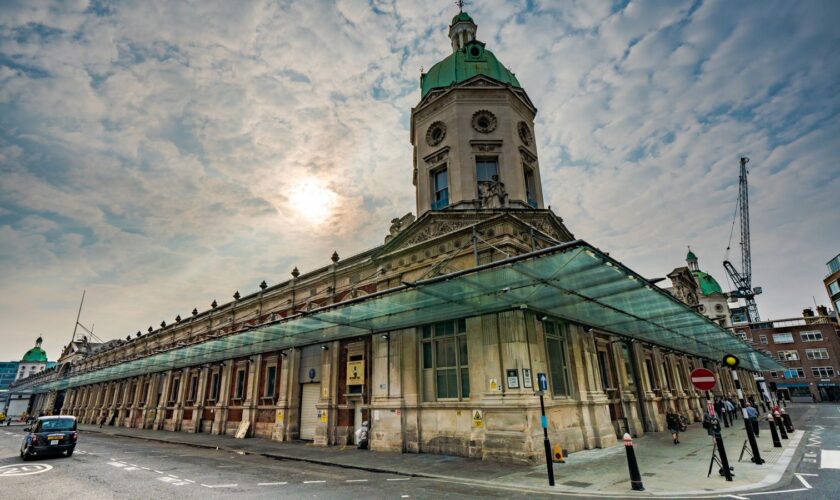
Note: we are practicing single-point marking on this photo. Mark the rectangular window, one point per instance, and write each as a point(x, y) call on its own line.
point(270, 380)
point(531, 187)
point(795, 373)
point(821, 353)
point(240, 384)
point(445, 359)
point(173, 394)
point(762, 339)
point(788, 355)
point(649, 366)
point(556, 339)
point(485, 169)
point(193, 388)
point(834, 288)
point(741, 335)
point(783, 338)
point(214, 387)
point(812, 336)
point(440, 189)
point(774, 374)
point(823, 371)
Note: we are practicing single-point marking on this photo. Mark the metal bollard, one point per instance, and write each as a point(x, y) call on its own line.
point(635, 476)
point(777, 443)
point(788, 422)
point(780, 426)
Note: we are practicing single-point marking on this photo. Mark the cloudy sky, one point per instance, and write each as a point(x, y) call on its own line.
point(164, 154)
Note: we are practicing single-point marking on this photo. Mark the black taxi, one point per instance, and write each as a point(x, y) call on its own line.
point(50, 436)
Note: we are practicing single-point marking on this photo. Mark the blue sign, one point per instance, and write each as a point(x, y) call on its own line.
point(311, 373)
point(544, 422)
point(542, 381)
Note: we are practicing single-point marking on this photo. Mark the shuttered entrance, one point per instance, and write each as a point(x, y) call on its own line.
point(309, 396)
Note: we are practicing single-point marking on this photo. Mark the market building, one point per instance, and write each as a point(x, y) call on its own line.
point(33, 362)
point(700, 290)
point(437, 336)
point(832, 284)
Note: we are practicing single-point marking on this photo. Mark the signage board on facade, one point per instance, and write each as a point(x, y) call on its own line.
point(512, 378)
point(356, 372)
point(542, 381)
point(526, 378)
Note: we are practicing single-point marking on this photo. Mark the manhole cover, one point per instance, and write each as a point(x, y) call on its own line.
point(23, 470)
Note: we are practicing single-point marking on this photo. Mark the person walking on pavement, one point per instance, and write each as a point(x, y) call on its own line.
point(752, 415)
point(730, 409)
point(672, 420)
point(720, 409)
point(362, 436)
point(102, 420)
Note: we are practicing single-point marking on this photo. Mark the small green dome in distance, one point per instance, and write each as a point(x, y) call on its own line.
point(708, 285)
point(34, 355)
point(690, 255)
point(461, 16)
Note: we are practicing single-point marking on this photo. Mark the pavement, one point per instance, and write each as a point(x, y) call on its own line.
point(667, 469)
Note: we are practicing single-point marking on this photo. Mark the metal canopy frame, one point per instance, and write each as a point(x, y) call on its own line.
point(572, 281)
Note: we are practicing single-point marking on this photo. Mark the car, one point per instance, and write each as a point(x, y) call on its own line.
point(50, 436)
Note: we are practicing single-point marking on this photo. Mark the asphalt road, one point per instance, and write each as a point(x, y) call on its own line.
point(105, 467)
point(814, 473)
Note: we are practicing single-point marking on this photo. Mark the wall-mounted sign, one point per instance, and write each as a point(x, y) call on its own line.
point(512, 378)
point(311, 373)
point(279, 416)
point(356, 372)
point(494, 385)
point(526, 378)
point(478, 419)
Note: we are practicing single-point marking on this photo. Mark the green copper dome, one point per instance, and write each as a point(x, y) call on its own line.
point(708, 285)
point(36, 354)
point(461, 16)
point(471, 60)
point(690, 256)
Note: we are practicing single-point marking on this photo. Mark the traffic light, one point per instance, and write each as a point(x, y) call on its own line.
point(731, 361)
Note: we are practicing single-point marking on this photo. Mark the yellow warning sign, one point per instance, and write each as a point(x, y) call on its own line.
point(494, 384)
point(356, 372)
point(324, 416)
point(557, 456)
point(478, 419)
point(278, 417)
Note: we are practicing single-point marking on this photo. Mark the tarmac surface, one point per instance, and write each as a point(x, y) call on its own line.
point(128, 463)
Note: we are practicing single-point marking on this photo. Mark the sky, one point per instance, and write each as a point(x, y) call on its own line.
point(160, 155)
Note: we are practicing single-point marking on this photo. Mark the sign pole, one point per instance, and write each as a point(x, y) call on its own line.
point(543, 385)
point(732, 362)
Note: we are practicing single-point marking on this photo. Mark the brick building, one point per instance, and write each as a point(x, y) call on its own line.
point(809, 347)
point(832, 284)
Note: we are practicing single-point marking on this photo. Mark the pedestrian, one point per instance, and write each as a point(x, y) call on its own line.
point(730, 409)
point(362, 436)
point(813, 397)
point(752, 415)
point(720, 409)
point(102, 420)
point(672, 420)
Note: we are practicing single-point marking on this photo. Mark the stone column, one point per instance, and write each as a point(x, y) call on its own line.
point(287, 412)
point(627, 386)
point(324, 430)
point(249, 406)
point(150, 407)
point(201, 394)
point(123, 412)
point(183, 387)
point(220, 417)
point(160, 415)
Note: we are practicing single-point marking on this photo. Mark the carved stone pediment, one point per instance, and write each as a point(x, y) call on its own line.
point(437, 156)
point(486, 146)
point(527, 156)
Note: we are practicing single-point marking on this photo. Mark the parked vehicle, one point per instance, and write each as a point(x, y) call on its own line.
point(50, 436)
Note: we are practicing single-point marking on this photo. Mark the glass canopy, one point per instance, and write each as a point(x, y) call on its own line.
point(573, 281)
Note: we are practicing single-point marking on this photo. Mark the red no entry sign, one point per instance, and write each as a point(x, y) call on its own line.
point(703, 379)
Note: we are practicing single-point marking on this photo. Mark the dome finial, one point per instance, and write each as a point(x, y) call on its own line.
point(691, 259)
point(39, 341)
point(462, 28)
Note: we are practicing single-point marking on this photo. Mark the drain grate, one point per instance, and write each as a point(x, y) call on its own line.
point(648, 474)
point(577, 484)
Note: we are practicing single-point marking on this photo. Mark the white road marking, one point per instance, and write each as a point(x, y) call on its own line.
point(737, 497)
point(809, 475)
point(145, 468)
point(406, 496)
point(803, 481)
point(227, 466)
point(272, 484)
point(234, 485)
point(399, 479)
point(777, 492)
point(189, 480)
point(116, 464)
point(134, 465)
point(159, 472)
point(172, 481)
point(356, 481)
point(313, 482)
point(830, 459)
point(173, 475)
point(132, 468)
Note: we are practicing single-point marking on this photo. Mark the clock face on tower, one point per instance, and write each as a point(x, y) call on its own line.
point(525, 133)
point(436, 133)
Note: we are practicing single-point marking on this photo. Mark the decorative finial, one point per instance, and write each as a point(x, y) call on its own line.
point(334, 257)
point(163, 324)
point(460, 4)
point(295, 273)
point(213, 304)
point(263, 285)
point(178, 318)
point(151, 329)
point(236, 295)
point(195, 311)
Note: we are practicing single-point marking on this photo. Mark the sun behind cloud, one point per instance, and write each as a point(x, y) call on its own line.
point(312, 200)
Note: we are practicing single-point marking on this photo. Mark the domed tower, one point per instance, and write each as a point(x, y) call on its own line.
point(34, 361)
point(472, 132)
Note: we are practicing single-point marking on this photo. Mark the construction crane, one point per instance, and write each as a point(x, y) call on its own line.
point(743, 280)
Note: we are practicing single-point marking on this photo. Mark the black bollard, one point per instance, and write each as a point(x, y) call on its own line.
point(780, 426)
point(777, 443)
point(788, 422)
point(635, 476)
